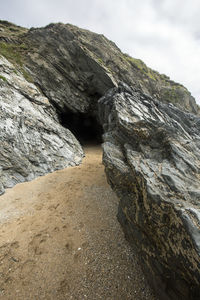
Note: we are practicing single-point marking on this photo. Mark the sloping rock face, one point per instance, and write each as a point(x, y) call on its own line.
point(33, 143)
point(152, 161)
point(74, 67)
point(67, 72)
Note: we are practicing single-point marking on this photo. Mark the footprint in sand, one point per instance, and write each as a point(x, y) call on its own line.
point(14, 245)
point(69, 246)
point(56, 229)
point(53, 207)
point(7, 249)
point(37, 245)
point(26, 268)
point(64, 287)
point(38, 206)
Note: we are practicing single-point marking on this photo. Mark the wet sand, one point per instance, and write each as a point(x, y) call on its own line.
point(60, 239)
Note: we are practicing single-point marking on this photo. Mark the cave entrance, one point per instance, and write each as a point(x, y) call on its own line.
point(85, 127)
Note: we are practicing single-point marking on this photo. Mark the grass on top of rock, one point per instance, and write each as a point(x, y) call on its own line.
point(171, 95)
point(11, 52)
point(9, 29)
point(152, 74)
point(14, 53)
point(142, 67)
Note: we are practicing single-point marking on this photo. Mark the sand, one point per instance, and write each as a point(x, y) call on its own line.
point(60, 239)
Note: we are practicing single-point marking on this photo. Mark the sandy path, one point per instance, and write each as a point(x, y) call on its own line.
point(59, 239)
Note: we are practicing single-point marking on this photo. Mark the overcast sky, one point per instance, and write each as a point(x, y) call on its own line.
point(165, 34)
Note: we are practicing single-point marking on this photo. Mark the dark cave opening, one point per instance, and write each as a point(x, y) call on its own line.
point(85, 127)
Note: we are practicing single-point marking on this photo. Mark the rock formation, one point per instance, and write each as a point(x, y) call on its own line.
point(51, 79)
point(152, 161)
point(59, 72)
point(84, 65)
point(33, 143)
point(74, 67)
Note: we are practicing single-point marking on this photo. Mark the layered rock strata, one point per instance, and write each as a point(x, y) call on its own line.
point(152, 161)
point(71, 68)
point(33, 142)
point(74, 67)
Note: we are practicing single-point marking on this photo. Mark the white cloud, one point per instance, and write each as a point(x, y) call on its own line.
point(165, 34)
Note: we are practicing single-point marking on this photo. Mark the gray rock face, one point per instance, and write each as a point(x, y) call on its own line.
point(67, 72)
point(152, 161)
point(75, 67)
point(32, 142)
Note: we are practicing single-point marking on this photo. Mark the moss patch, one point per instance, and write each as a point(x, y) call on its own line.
point(3, 78)
point(14, 53)
point(11, 52)
point(171, 96)
point(11, 30)
point(142, 67)
point(100, 61)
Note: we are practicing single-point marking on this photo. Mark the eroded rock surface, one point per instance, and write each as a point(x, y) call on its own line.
point(151, 150)
point(32, 142)
point(74, 67)
point(152, 161)
point(67, 69)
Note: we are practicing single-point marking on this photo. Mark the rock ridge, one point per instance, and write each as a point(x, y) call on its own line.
point(74, 67)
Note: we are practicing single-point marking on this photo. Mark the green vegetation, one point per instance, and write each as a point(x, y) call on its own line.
point(11, 52)
point(151, 74)
point(141, 66)
point(100, 61)
point(26, 75)
point(158, 84)
point(11, 30)
point(171, 95)
point(3, 78)
point(14, 53)
point(6, 23)
point(138, 63)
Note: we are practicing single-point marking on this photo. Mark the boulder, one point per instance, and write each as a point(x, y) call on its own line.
point(33, 142)
point(152, 161)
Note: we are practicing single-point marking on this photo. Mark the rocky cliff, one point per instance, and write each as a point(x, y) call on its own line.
point(33, 142)
point(152, 161)
point(75, 67)
point(51, 79)
point(54, 75)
